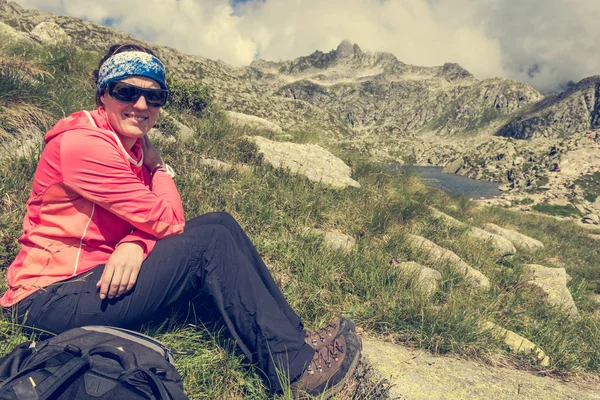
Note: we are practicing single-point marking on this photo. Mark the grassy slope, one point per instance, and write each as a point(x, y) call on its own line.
point(275, 207)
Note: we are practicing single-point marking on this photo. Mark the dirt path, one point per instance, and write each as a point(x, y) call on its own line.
point(419, 375)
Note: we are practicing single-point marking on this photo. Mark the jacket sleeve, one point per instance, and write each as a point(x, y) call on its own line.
point(146, 240)
point(93, 166)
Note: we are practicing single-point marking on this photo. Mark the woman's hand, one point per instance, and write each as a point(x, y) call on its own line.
point(152, 157)
point(121, 270)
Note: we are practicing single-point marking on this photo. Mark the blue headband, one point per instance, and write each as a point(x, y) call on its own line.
point(131, 63)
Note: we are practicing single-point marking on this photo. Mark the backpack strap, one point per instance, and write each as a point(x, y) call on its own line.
point(46, 388)
point(157, 385)
point(73, 367)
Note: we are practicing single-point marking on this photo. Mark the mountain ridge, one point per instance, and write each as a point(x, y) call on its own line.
point(371, 101)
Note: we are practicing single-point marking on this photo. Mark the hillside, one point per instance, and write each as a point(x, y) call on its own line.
point(288, 148)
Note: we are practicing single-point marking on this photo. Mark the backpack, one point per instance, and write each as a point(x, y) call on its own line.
point(92, 362)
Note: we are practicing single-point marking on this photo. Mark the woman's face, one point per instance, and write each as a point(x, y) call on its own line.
point(131, 120)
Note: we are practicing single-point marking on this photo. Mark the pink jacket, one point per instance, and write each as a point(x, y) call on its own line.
point(90, 193)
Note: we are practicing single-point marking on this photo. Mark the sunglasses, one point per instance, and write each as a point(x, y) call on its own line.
point(130, 94)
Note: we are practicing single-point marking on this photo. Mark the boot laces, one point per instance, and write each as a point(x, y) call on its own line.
point(321, 335)
point(324, 357)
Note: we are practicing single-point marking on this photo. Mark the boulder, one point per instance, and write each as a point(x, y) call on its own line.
point(427, 280)
point(436, 253)
point(553, 284)
point(336, 240)
point(420, 375)
point(216, 164)
point(48, 32)
point(592, 219)
point(454, 166)
point(501, 246)
point(253, 122)
point(310, 160)
point(517, 343)
point(13, 34)
point(522, 242)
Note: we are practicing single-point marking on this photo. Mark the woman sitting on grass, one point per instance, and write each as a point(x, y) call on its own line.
point(105, 241)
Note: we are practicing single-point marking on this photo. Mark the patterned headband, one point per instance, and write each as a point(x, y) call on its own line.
point(131, 63)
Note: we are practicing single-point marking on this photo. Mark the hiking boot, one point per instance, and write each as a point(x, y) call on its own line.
point(324, 336)
point(330, 368)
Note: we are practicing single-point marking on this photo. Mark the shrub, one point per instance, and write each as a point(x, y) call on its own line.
point(189, 96)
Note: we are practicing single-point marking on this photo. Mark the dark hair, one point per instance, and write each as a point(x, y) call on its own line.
point(115, 49)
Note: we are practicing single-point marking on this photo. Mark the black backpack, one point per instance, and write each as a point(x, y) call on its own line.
point(92, 362)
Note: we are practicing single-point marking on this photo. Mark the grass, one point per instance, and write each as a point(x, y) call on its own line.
point(275, 208)
point(591, 186)
point(557, 210)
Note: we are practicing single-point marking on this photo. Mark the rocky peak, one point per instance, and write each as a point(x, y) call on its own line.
point(347, 50)
point(575, 110)
point(453, 71)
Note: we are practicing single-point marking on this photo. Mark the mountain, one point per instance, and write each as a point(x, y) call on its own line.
point(562, 115)
point(371, 101)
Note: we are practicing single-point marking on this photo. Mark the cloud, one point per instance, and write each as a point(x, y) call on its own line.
point(543, 42)
point(204, 27)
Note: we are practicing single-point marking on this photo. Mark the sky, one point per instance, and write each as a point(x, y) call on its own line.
point(546, 43)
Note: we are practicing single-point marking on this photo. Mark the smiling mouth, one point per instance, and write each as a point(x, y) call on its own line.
point(136, 118)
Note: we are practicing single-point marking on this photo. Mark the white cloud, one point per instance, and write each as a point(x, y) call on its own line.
point(543, 42)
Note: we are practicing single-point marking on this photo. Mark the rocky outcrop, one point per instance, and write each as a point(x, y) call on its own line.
point(258, 124)
point(426, 280)
point(336, 240)
point(552, 283)
point(12, 34)
point(501, 245)
point(420, 375)
point(520, 241)
point(435, 254)
point(576, 110)
point(216, 164)
point(517, 343)
point(49, 32)
point(310, 160)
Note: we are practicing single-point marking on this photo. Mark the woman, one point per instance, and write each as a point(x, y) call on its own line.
point(105, 241)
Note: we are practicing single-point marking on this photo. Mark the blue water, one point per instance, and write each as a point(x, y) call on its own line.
point(457, 184)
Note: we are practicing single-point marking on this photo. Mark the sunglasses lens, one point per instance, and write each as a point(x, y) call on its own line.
point(130, 94)
point(156, 98)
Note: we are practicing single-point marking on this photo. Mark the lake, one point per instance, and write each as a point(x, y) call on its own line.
point(457, 184)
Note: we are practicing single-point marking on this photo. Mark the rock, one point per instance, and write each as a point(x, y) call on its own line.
point(553, 284)
point(216, 164)
point(184, 132)
point(517, 343)
point(427, 280)
point(454, 166)
point(420, 375)
point(520, 241)
point(581, 208)
point(336, 240)
point(253, 122)
point(501, 245)
point(13, 34)
point(310, 160)
point(157, 134)
point(48, 32)
point(436, 253)
point(592, 219)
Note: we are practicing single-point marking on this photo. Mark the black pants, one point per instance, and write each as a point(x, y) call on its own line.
point(213, 258)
